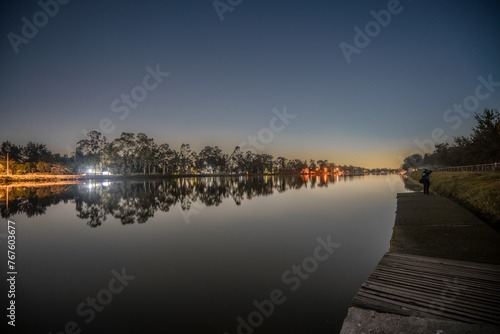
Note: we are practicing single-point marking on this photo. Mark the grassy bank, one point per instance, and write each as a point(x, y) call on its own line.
point(477, 191)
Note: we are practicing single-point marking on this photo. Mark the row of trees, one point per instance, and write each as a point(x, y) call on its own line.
point(481, 147)
point(137, 153)
point(132, 153)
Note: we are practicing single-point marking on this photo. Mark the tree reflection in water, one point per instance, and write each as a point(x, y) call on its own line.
point(137, 201)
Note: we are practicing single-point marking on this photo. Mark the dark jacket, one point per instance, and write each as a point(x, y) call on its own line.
point(425, 174)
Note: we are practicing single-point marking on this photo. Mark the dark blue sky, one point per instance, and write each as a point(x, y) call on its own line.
point(226, 77)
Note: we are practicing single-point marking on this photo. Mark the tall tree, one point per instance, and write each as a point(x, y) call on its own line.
point(145, 152)
point(92, 148)
point(211, 159)
point(280, 164)
point(312, 165)
point(486, 136)
point(35, 152)
point(323, 165)
point(163, 155)
point(267, 163)
point(14, 151)
point(236, 161)
point(125, 151)
point(186, 158)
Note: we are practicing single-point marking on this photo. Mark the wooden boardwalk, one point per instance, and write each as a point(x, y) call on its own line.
point(431, 287)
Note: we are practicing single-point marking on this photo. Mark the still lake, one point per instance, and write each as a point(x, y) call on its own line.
point(277, 254)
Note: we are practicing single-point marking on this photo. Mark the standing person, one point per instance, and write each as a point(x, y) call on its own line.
point(426, 179)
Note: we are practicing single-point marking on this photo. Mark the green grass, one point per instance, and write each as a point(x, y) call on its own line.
point(477, 191)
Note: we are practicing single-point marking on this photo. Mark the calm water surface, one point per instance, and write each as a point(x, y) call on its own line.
point(206, 255)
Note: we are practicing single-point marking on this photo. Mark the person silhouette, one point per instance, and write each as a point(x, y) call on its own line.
point(426, 179)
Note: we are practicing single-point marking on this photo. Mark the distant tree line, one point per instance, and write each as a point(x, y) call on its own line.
point(481, 147)
point(137, 153)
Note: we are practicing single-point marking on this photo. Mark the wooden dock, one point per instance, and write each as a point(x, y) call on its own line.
point(433, 288)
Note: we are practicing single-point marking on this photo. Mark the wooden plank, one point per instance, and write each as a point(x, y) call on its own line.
point(472, 293)
point(485, 304)
point(430, 298)
point(424, 259)
point(390, 305)
point(396, 307)
point(403, 284)
point(439, 280)
point(466, 272)
point(443, 271)
point(439, 261)
point(377, 302)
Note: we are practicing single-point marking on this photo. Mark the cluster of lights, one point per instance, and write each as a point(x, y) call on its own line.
point(95, 184)
point(91, 171)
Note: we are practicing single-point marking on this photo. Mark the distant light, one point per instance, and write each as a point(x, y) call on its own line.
point(90, 171)
point(106, 173)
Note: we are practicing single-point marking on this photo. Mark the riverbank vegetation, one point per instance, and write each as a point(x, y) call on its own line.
point(132, 154)
point(477, 191)
point(481, 147)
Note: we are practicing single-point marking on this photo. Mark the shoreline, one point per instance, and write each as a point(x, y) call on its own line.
point(9, 180)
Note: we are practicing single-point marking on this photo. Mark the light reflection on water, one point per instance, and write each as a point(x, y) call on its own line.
point(202, 250)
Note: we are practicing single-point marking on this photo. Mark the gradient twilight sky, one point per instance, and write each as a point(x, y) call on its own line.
point(226, 77)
